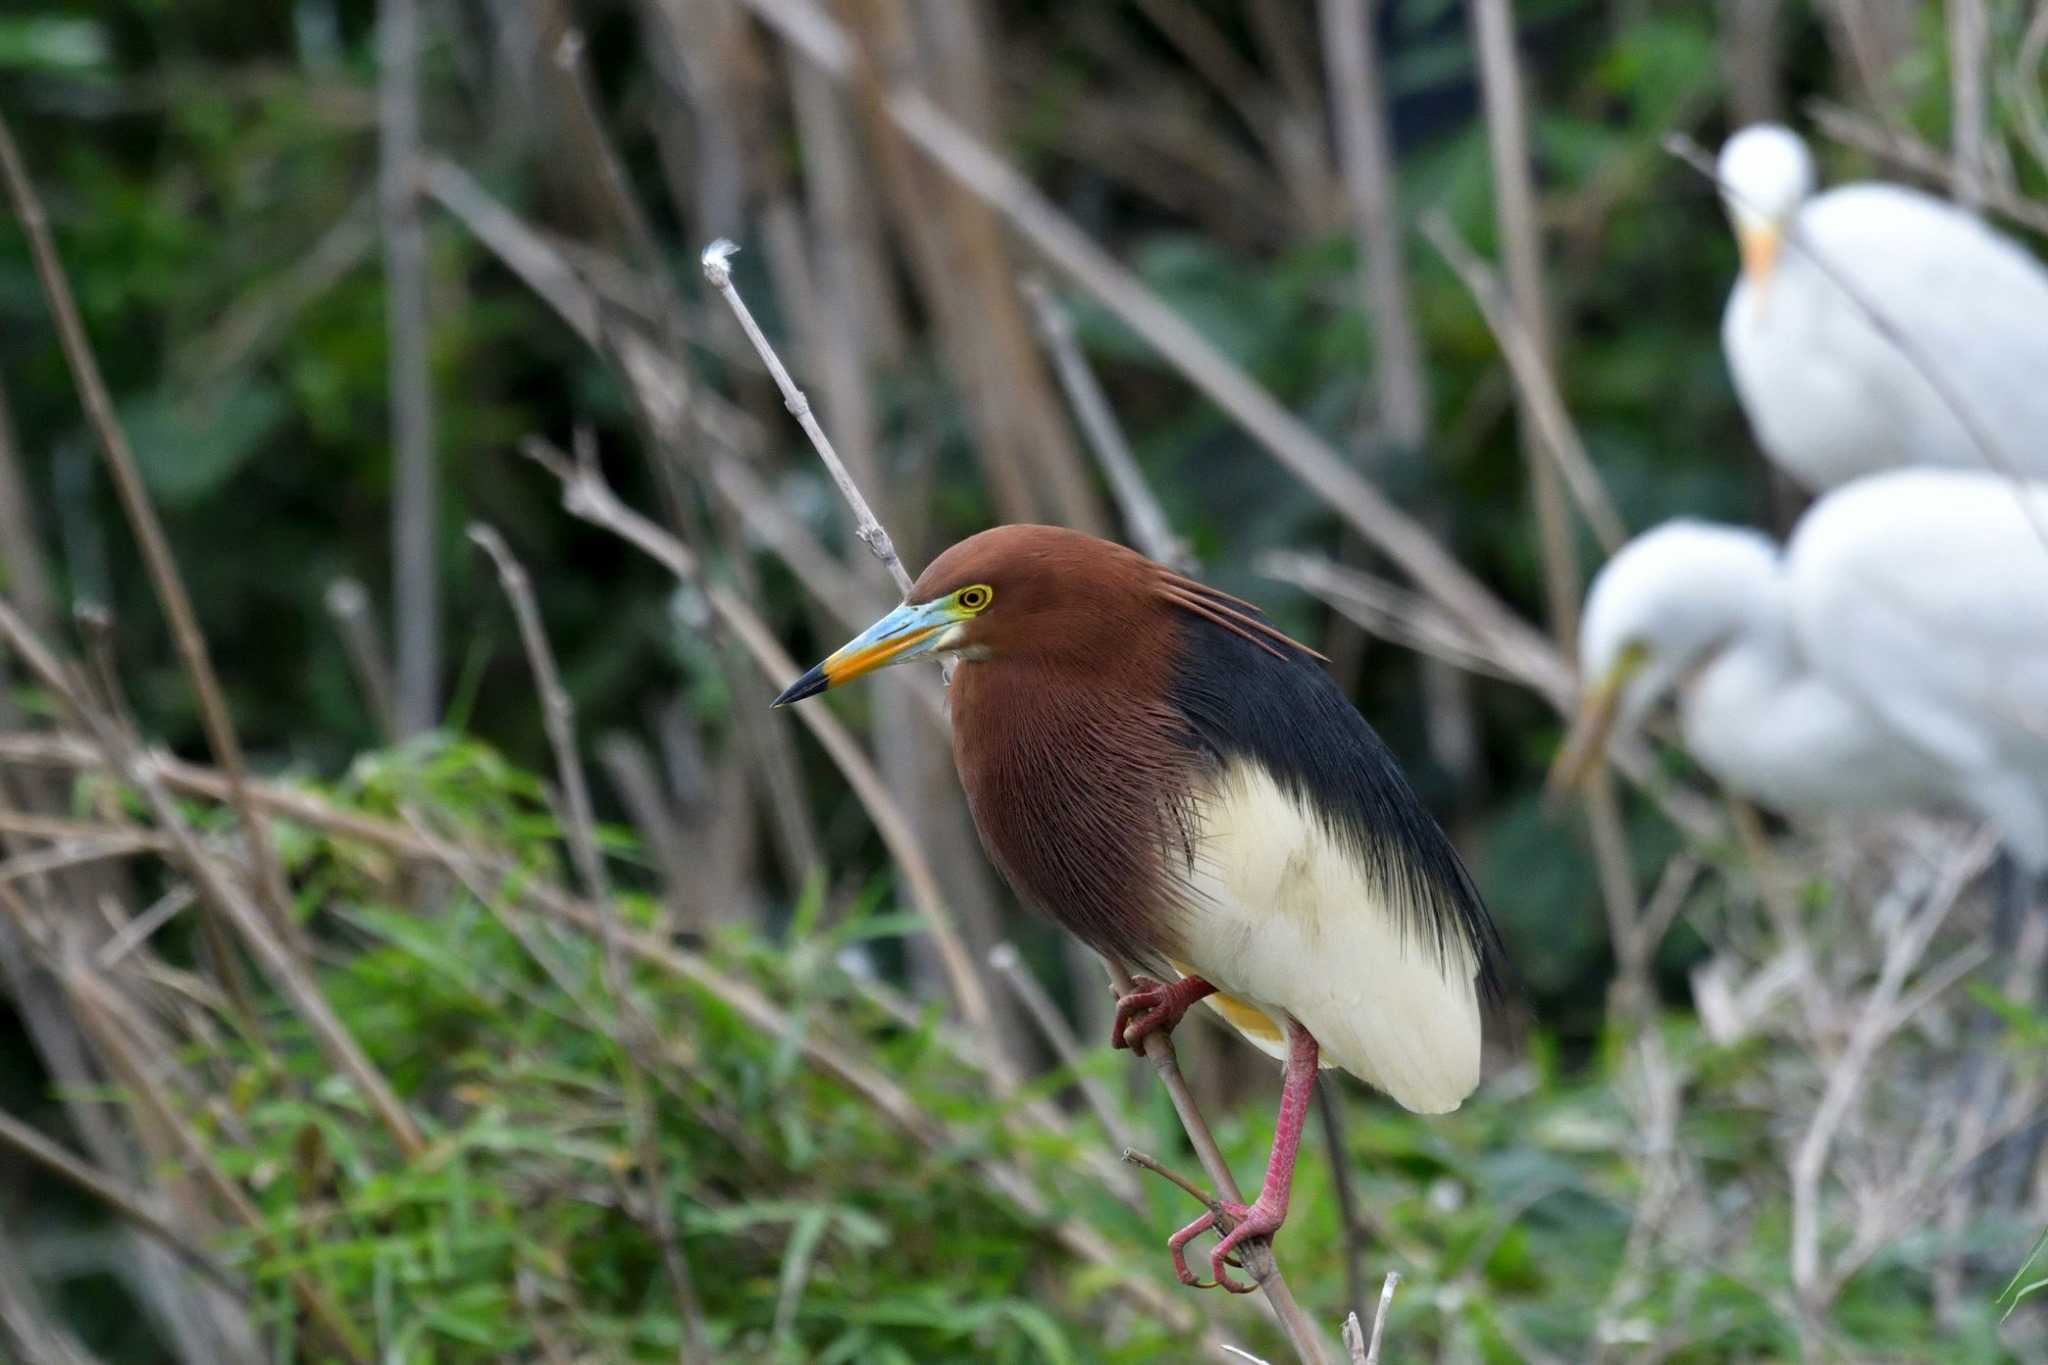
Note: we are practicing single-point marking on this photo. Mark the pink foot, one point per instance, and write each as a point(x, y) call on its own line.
point(1261, 1219)
point(1154, 1008)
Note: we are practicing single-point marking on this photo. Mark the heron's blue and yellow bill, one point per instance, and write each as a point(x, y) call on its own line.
point(1600, 706)
point(910, 631)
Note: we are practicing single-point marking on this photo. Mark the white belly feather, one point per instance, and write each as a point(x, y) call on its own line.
point(1283, 918)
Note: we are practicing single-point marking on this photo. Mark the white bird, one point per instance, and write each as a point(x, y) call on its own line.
point(1830, 395)
point(1895, 654)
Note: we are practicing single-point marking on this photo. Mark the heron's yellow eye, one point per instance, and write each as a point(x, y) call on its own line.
point(975, 598)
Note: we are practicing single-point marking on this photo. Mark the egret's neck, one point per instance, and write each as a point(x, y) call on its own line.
point(1735, 610)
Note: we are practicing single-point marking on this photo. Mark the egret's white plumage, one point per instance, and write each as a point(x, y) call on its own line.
point(1284, 920)
point(1895, 654)
point(1830, 396)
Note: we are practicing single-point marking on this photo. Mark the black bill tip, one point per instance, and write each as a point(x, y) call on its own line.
point(809, 685)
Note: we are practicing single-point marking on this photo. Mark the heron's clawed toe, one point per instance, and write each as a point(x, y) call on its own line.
point(1142, 1011)
point(1256, 1220)
point(1248, 1220)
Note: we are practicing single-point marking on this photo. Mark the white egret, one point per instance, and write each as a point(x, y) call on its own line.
point(1830, 395)
point(1895, 653)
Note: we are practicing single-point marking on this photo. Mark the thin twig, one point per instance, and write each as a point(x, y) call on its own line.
point(214, 718)
point(1909, 153)
point(718, 270)
point(1350, 1227)
point(89, 993)
point(1146, 520)
point(1379, 1317)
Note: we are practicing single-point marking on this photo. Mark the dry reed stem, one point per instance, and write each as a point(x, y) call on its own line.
point(85, 989)
point(2025, 88)
point(883, 1094)
point(222, 892)
point(162, 568)
point(1363, 1349)
point(1150, 528)
point(1515, 211)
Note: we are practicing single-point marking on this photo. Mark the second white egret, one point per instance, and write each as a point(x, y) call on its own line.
point(1894, 655)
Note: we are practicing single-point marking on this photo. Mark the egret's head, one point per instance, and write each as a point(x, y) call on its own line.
point(1006, 592)
point(1658, 611)
point(1766, 173)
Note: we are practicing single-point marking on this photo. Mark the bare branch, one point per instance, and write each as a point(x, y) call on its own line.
point(558, 716)
point(1911, 154)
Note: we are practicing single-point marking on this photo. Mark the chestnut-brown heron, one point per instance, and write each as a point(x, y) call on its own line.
point(1160, 770)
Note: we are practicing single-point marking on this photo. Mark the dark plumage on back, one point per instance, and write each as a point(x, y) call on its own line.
point(1286, 714)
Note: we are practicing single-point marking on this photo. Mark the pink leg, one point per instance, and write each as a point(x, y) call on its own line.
point(1262, 1217)
point(1154, 1008)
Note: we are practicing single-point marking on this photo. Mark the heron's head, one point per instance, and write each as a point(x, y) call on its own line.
point(1658, 611)
point(1766, 173)
point(1008, 592)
